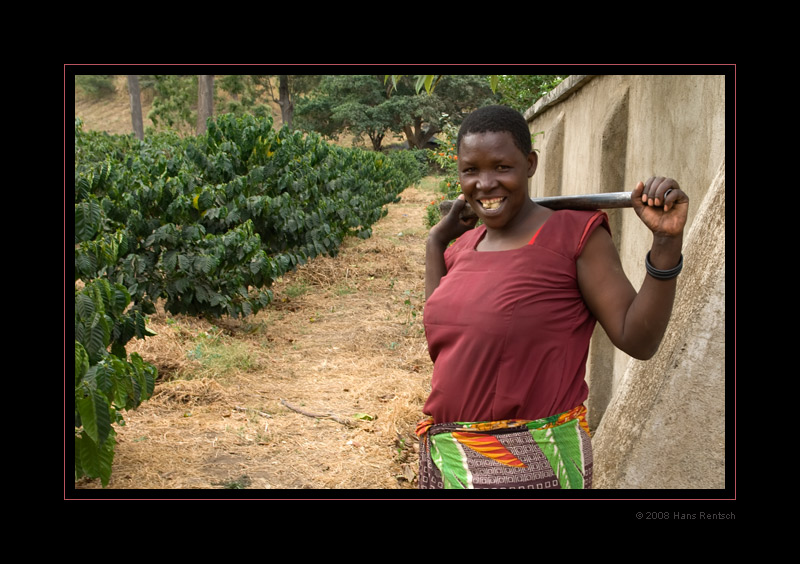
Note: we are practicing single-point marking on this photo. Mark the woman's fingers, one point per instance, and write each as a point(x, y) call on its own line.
point(658, 191)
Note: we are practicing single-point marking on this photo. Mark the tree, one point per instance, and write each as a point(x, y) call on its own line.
point(366, 106)
point(136, 106)
point(234, 84)
point(521, 91)
point(96, 86)
point(205, 101)
point(518, 91)
point(172, 105)
point(285, 101)
point(357, 104)
point(289, 87)
point(249, 94)
point(455, 96)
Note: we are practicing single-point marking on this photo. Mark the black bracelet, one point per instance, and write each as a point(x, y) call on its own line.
point(662, 274)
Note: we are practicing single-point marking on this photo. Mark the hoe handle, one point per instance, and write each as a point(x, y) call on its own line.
point(608, 200)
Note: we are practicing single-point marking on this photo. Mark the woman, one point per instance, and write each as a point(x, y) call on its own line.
point(510, 310)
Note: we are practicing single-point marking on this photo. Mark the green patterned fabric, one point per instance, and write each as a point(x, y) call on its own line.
point(552, 452)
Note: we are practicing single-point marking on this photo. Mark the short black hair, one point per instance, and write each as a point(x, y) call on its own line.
point(498, 119)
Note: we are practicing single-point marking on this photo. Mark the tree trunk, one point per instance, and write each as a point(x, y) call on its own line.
point(377, 140)
point(417, 139)
point(428, 135)
point(285, 102)
point(205, 100)
point(136, 106)
point(410, 136)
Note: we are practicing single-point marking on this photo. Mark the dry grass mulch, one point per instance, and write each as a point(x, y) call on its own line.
point(322, 390)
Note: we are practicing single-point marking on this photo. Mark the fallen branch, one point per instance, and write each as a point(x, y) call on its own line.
point(344, 422)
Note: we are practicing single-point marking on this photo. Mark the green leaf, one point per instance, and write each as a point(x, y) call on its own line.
point(100, 377)
point(125, 330)
point(93, 408)
point(141, 328)
point(84, 306)
point(121, 299)
point(201, 293)
point(81, 362)
point(87, 220)
point(170, 260)
point(92, 460)
point(85, 263)
point(185, 263)
point(98, 337)
point(146, 374)
point(118, 350)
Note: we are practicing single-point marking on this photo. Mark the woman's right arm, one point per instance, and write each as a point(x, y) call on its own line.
point(450, 227)
point(434, 265)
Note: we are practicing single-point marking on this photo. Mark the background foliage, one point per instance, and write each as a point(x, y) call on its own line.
point(522, 91)
point(366, 107)
point(96, 86)
point(205, 224)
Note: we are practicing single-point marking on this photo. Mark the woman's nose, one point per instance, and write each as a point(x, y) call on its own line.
point(486, 180)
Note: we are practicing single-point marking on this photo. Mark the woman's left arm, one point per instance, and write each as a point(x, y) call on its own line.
point(636, 321)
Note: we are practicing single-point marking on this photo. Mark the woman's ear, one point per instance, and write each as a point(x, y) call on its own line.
point(533, 162)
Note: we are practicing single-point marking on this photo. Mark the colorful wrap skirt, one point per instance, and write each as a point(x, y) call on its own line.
point(552, 452)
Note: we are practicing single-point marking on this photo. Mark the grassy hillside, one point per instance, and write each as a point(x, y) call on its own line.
point(112, 113)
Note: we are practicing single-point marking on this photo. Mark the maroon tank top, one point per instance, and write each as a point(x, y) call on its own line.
point(508, 331)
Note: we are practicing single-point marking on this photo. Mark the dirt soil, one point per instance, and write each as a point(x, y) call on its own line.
point(322, 390)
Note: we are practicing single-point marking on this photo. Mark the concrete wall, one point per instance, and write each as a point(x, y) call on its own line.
point(665, 426)
point(603, 134)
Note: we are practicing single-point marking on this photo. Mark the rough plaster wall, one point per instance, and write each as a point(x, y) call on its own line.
point(613, 153)
point(554, 143)
point(665, 427)
point(675, 127)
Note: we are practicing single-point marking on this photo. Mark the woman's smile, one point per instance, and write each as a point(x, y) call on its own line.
point(494, 174)
point(490, 204)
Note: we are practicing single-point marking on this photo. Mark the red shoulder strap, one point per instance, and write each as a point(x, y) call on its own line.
point(535, 235)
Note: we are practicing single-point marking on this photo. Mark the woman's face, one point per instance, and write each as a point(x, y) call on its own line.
point(494, 175)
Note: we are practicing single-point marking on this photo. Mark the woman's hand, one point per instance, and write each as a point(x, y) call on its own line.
point(661, 205)
point(452, 226)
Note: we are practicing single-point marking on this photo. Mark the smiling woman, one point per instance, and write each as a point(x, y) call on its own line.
point(494, 175)
point(511, 309)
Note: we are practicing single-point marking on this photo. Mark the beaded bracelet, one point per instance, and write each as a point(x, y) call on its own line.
point(662, 274)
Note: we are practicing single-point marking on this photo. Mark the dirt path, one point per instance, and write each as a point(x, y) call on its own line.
point(233, 408)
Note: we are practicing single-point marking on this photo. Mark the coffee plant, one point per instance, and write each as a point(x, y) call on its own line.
point(106, 381)
point(204, 224)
